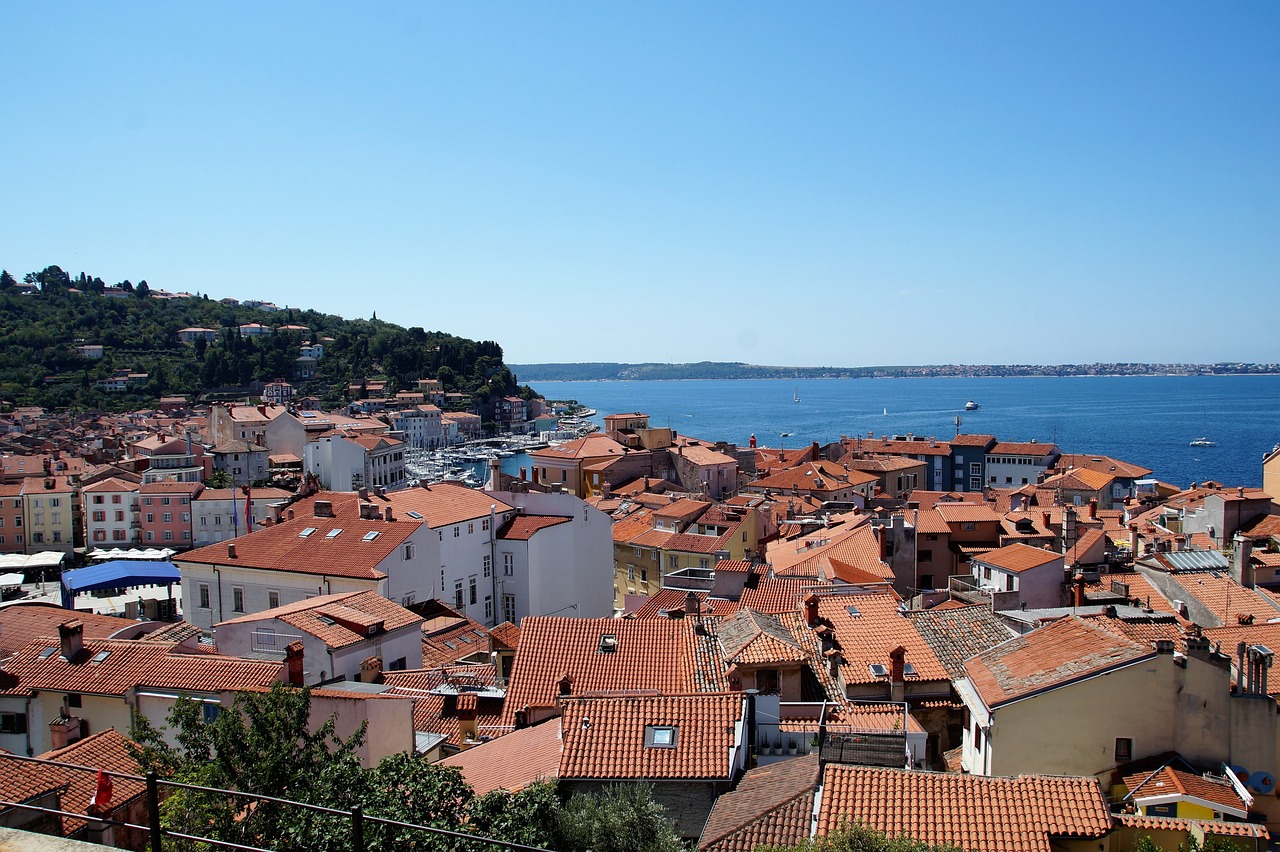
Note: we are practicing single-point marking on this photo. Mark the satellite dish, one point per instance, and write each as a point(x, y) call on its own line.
point(1262, 782)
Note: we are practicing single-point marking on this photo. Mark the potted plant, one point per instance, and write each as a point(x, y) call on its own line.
point(792, 746)
point(777, 744)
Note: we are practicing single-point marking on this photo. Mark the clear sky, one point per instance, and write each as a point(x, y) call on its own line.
point(798, 184)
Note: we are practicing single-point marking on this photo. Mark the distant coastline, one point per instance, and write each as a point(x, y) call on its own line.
point(605, 371)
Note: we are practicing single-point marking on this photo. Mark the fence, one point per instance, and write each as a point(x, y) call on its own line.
point(355, 818)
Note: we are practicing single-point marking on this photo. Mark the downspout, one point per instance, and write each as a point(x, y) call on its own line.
point(30, 751)
point(493, 562)
point(218, 576)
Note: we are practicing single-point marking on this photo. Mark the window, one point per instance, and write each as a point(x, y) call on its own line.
point(117, 535)
point(509, 608)
point(204, 521)
point(115, 498)
point(98, 500)
point(472, 585)
point(925, 556)
point(204, 595)
point(471, 527)
point(638, 551)
point(457, 531)
point(457, 594)
point(166, 517)
point(484, 525)
point(237, 598)
point(151, 518)
point(769, 681)
point(273, 599)
point(210, 711)
point(488, 565)
point(661, 736)
point(508, 564)
point(408, 550)
point(99, 517)
point(99, 535)
point(926, 581)
point(673, 562)
point(37, 537)
point(168, 535)
point(1124, 749)
point(564, 476)
point(969, 526)
point(186, 517)
point(119, 515)
point(55, 502)
point(73, 700)
point(399, 664)
point(644, 574)
point(631, 573)
point(488, 607)
point(13, 723)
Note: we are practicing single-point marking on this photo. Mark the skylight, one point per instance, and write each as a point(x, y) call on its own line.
point(100, 656)
point(307, 532)
point(854, 611)
point(47, 653)
point(333, 533)
point(878, 670)
point(909, 670)
point(417, 516)
point(370, 536)
point(661, 736)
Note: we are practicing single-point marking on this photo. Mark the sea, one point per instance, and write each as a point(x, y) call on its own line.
point(1147, 420)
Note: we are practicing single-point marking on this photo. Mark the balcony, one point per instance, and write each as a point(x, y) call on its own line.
point(968, 589)
point(269, 645)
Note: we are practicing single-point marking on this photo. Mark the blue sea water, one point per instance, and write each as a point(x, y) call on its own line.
point(1148, 420)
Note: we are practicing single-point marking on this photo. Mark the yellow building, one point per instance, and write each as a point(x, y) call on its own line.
point(50, 513)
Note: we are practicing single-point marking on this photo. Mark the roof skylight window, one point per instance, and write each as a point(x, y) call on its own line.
point(878, 670)
point(854, 611)
point(307, 532)
point(370, 536)
point(417, 516)
point(100, 656)
point(333, 533)
point(661, 736)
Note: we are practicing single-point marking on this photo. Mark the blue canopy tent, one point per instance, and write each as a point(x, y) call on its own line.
point(118, 574)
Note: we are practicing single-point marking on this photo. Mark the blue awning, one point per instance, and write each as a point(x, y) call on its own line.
point(119, 574)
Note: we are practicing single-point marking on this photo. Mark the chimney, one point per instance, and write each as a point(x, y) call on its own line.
point(364, 494)
point(522, 716)
point(387, 514)
point(64, 730)
point(1134, 541)
point(1242, 561)
point(811, 609)
point(289, 514)
point(323, 509)
point(692, 606)
point(293, 663)
point(815, 449)
point(1093, 509)
point(565, 685)
point(231, 550)
point(1078, 598)
point(1044, 516)
point(524, 474)
point(897, 674)
point(468, 730)
point(71, 638)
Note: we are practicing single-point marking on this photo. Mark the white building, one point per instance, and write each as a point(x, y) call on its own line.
point(218, 514)
point(339, 634)
point(1013, 465)
point(445, 542)
point(351, 461)
point(110, 511)
point(420, 427)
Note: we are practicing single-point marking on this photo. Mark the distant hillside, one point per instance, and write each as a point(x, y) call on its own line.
point(605, 371)
point(45, 321)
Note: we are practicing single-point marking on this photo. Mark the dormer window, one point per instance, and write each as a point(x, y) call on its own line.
point(661, 736)
point(608, 643)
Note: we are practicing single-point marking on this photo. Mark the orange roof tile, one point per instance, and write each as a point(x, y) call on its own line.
point(976, 813)
point(771, 805)
point(512, 761)
point(1065, 650)
point(1167, 781)
point(1018, 558)
point(523, 527)
point(21, 623)
point(867, 636)
point(609, 738)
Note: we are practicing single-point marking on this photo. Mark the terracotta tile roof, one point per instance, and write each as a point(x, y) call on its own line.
point(867, 637)
point(771, 596)
point(1065, 650)
point(327, 617)
point(1168, 781)
point(1080, 479)
point(1027, 448)
point(523, 527)
point(22, 623)
point(771, 805)
point(108, 749)
point(957, 633)
point(818, 476)
point(1019, 557)
point(1104, 464)
point(972, 440)
point(921, 447)
point(685, 509)
point(657, 655)
point(1226, 599)
point(1215, 828)
point(750, 637)
point(976, 813)
point(634, 524)
point(930, 522)
point(505, 635)
point(969, 513)
point(590, 447)
point(111, 483)
point(1267, 525)
point(346, 553)
point(190, 489)
point(512, 761)
point(443, 505)
point(605, 738)
point(447, 639)
point(128, 664)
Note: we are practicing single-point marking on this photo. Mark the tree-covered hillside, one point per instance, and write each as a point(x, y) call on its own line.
point(42, 332)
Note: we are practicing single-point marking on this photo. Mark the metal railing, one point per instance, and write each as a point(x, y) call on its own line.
point(157, 832)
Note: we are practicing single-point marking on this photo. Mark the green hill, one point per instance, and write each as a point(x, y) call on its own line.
point(42, 332)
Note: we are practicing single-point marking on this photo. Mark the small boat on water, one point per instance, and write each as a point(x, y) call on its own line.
point(784, 434)
point(795, 395)
point(971, 406)
point(1203, 442)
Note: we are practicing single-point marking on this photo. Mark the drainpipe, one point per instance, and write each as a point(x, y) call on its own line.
point(218, 577)
point(30, 751)
point(493, 562)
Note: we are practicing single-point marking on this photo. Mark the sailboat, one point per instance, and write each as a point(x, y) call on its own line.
point(795, 395)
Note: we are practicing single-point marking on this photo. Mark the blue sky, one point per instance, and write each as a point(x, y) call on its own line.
point(795, 184)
